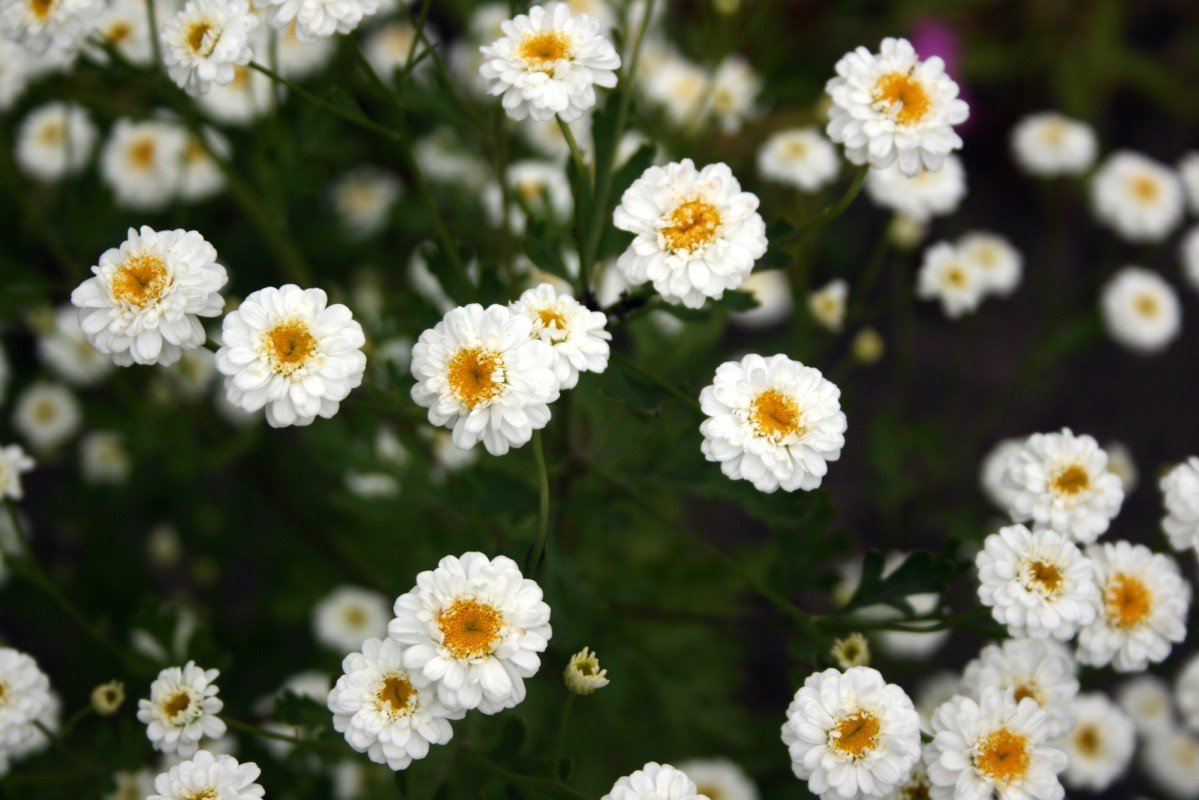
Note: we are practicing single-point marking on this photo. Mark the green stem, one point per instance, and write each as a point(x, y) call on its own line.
point(641, 372)
point(543, 505)
point(830, 212)
point(332, 108)
point(557, 762)
point(531, 781)
point(155, 37)
point(254, 730)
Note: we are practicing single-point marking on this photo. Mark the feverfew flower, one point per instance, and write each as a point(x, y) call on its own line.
point(1147, 701)
point(992, 473)
point(288, 350)
point(348, 616)
point(1038, 584)
point(125, 26)
point(207, 775)
point(851, 734)
point(66, 351)
point(773, 422)
point(386, 710)
point(182, 710)
point(299, 60)
point(141, 162)
point(55, 140)
point(770, 288)
point(201, 176)
point(538, 186)
point(28, 700)
point(144, 303)
point(1040, 669)
point(1180, 494)
point(655, 782)
point(46, 415)
point(696, 233)
point(1099, 746)
point(548, 62)
point(827, 304)
point(1142, 608)
point(1141, 311)
point(799, 157)
point(482, 374)
point(577, 335)
point(583, 674)
point(1050, 144)
point(317, 19)
point(1061, 481)
point(42, 25)
point(363, 199)
point(992, 747)
point(892, 108)
point(475, 626)
point(947, 276)
point(735, 89)
point(1186, 689)
point(1171, 760)
point(1137, 197)
point(719, 779)
point(103, 457)
point(205, 40)
point(920, 197)
point(997, 263)
point(13, 463)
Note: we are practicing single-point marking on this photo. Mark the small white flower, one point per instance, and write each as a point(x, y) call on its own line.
point(1137, 197)
point(205, 40)
point(1142, 608)
point(144, 303)
point(696, 233)
point(1099, 746)
point(298, 59)
point(548, 62)
point(577, 335)
point(891, 107)
point(827, 304)
point(246, 98)
point(719, 779)
point(735, 89)
point(1147, 701)
point(1040, 669)
point(141, 162)
point(538, 186)
point(46, 415)
point(182, 710)
point(67, 352)
point(1186, 690)
point(13, 463)
point(655, 782)
point(220, 777)
point(483, 375)
point(771, 288)
point(45, 25)
point(1171, 760)
point(27, 701)
point(348, 616)
point(678, 85)
point(992, 473)
point(799, 157)
point(773, 422)
point(475, 626)
point(103, 458)
point(997, 263)
point(55, 140)
point(1038, 584)
point(851, 734)
point(201, 177)
point(386, 709)
point(1141, 311)
point(947, 276)
point(992, 747)
point(363, 198)
point(1050, 144)
point(583, 674)
point(388, 47)
point(920, 197)
point(124, 25)
point(1061, 481)
point(318, 19)
point(1180, 494)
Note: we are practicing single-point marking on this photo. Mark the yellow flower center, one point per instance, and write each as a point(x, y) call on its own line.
point(1147, 305)
point(140, 281)
point(289, 345)
point(202, 37)
point(1071, 480)
point(1053, 132)
point(1044, 577)
point(1088, 741)
point(905, 95)
point(241, 78)
point(551, 318)
point(1027, 690)
point(354, 616)
point(916, 789)
point(693, 224)
point(986, 255)
point(476, 375)
point(3, 694)
point(177, 705)
point(142, 152)
point(955, 277)
point(855, 735)
point(709, 790)
point(470, 629)
point(797, 148)
point(1127, 600)
point(203, 794)
point(542, 50)
point(41, 8)
point(1144, 188)
point(118, 32)
point(45, 411)
point(776, 416)
point(397, 696)
point(1003, 756)
point(52, 133)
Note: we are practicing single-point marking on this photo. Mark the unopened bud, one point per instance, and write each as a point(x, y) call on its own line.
point(107, 698)
point(583, 674)
point(852, 651)
point(868, 346)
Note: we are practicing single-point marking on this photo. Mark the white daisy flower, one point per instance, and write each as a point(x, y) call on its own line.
point(482, 374)
point(141, 162)
point(921, 197)
point(735, 90)
point(1180, 494)
point(54, 141)
point(851, 734)
point(205, 40)
point(773, 422)
point(548, 63)
point(288, 350)
point(1147, 700)
point(475, 626)
point(992, 473)
point(103, 458)
point(27, 701)
point(1186, 690)
point(1048, 144)
point(1040, 669)
point(583, 674)
point(998, 264)
point(128, 785)
point(201, 177)
point(799, 157)
point(67, 352)
point(1141, 310)
point(1142, 608)
point(13, 463)
point(947, 276)
point(770, 288)
point(387, 710)
point(363, 199)
point(536, 187)
point(1099, 746)
point(577, 335)
point(1061, 481)
point(144, 303)
point(992, 747)
point(678, 85)
point(696, 233)
point(1137, 197)
point(317, 19)
point(46, 415)
point(719, 779)
point(1171, 760)
point(246, 98)
point(182, 710)
point(1037, 583)
point(45, 25)
point(891, 107)
point(125, 26)
point(655, 782)
point(827, 304)
point(209, 776)
point(225, 746)
point(388, 46)
point(299, 60)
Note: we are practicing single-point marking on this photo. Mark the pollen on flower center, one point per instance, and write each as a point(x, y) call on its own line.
point(542, 50)
point(1027, 689)
point(1145, 188)
point(476, 375)
point(397, 695)
point(140, 281)
point(906, 93)
point(176, 705)
point(41, 8)
point(202, 37)
point(1003, 756)
point(693, 224)
point(1128, 601)
point(470, 629)
point(855, 734)
point(1071, 480)
point(203, 794)
point(1045, 578)
point(1088, 741)
point(776, 416)
point(551, 318)
point(288, 346)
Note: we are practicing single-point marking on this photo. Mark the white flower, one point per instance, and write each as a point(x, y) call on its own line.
point(948, 276)
point(363, 199)
point(799, 157)
point(246, 98)
point(1141, 311)
point(67, 352)
point(1061, 481)
point(131, 785)
point(577, 335)
point(1147, 701)
point(992, 748)
point(583, 674)
point(1186, 689)
point(1040, 669)
point(719, 779)
point(141, 162)
point(992, 473)
point(13, 462)
point(539, 186)
point(205, 40)
point(288, 350)
point(475, 626)
point(372, 485)
point(124, 25)
point(1171, 760)
point(348, 616)
point(548, 62)
point(1049, 144)
point(678, 85)
point(182, 710)
point(1142, 608)
point(388, 47)
point(1121, 464)
point(773, 422)
point(481, 374)
point(386, 709)
point(1180, 494)
point(55, 140)
point(144, 303)
point(27, 701)
point(104, 458)
point(696, 233)
point(892, 108)
point(201, 177)
point(770, 288)
point(921, 197)
point(735, 89)
point(45, 25)
point(995, 261)
point(1038, 584)
point(46, 415)
point(851, 734)
point(827, 304)
point(317, 19)
point(299, 60)
point(220, 777)
point(1100, 745)
point(1137, 197)
point(654, 782)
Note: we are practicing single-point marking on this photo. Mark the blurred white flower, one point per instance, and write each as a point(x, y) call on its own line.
point(246, 98)
point(1137, 197)
point(103, 458)
point(719, 779)
point(46, 415)
point(1141, 310)
point(735, 89)
point(799, 157)
point(1049, 144)
point(67, 352)
point(363, 199)
point(920, 197)
point(1171, 761)
point(1040, 669)
point(946, 275)
point(13, 463)
point(1099, 746)
point(44, 25)
point(998, 264)
point(315, 19)
point(827, 304)
point(1147, 700)
point(141, 162)
point(55, 141)
point(349, 616)
point(771, 288)
point(1180, 495)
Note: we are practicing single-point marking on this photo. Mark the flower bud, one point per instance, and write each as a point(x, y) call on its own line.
point(583, 674)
